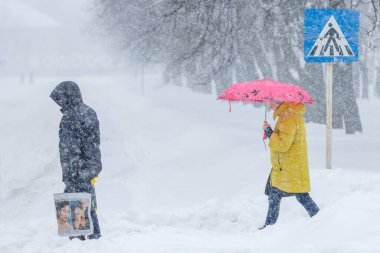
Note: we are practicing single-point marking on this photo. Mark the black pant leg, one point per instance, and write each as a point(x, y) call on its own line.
point(93, 212)
point(274, 206)
point(307, 202)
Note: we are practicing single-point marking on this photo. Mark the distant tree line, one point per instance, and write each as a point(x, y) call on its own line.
point(214, 43)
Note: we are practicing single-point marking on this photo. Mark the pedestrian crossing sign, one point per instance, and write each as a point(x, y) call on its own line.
point(331, 35)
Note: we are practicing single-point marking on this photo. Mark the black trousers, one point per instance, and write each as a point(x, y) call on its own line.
point(275, 196)
point(89, 188)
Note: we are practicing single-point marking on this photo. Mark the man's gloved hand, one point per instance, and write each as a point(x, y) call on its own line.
point(93, 181)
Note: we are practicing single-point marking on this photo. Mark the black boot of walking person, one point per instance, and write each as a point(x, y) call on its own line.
point(80, 237)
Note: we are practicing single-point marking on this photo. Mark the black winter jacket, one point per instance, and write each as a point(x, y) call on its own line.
point(79, 136)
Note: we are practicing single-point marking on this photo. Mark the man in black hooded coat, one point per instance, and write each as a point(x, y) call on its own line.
point(79, 141)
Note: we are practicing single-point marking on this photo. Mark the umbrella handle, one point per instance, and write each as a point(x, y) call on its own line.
point(265, 115)
point(265, 135)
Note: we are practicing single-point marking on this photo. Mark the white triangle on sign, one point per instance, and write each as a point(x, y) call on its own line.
point(331, 42)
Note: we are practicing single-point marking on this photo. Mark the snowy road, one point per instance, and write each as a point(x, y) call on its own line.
point(181, 174)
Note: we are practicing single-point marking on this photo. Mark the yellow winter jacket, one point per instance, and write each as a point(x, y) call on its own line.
point(288, 150)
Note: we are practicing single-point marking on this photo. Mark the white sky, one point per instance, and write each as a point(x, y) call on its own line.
point(68, 12)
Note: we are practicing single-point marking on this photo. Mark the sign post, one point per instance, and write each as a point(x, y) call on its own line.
point(330, 35)
point(329, 114)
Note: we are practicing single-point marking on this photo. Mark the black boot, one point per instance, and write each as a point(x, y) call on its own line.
point(262, 227)
point(94, 236)
point(80, 237)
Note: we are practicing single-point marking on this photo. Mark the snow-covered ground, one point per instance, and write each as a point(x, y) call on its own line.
point(180, 174)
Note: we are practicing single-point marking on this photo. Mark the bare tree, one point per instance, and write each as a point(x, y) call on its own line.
point(223, 41)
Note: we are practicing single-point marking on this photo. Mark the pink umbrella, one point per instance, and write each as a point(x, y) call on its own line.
point(264, 91)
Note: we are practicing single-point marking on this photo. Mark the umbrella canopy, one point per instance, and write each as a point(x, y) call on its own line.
point(265, 91)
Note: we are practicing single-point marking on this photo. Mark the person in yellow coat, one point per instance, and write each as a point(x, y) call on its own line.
point(289, 159)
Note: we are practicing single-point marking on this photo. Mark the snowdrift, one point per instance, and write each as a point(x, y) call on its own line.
point(180, 174)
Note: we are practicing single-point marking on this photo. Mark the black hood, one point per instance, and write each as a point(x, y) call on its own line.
point(67, 95)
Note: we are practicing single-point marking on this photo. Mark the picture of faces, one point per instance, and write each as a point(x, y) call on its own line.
point(73, 216)
point(63, 216)
point(80, 217)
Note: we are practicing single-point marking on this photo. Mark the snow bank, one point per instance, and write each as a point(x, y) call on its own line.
point(181, 174)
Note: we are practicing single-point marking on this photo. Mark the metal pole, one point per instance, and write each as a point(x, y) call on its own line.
point(266, 108)
point(329, 114)
point(142, 79)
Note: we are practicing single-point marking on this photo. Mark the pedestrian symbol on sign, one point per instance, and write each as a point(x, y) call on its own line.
point(331, 42)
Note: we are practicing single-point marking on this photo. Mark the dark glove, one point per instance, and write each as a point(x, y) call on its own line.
point(268, 132)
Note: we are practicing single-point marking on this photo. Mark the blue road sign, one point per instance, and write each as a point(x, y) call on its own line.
point(331, 35)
